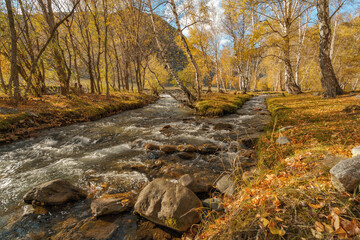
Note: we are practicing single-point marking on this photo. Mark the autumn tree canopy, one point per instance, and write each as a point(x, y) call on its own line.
point(100, 46)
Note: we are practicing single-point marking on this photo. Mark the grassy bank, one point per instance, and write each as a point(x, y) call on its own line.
point(219, 104)
point(54, 111)
point(290, 195)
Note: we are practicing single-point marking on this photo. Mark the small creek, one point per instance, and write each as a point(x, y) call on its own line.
point(107, 156)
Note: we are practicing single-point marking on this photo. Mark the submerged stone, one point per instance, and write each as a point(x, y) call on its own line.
point(168, 149)
point(56, 192)
point(113, 204)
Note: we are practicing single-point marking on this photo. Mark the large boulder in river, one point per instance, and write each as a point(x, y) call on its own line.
point(194, 183)
point(55, 192)
point(113, 204)
point(169, 204)
point(345, 176)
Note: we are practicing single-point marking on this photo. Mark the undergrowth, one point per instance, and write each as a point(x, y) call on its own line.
point(289, 194)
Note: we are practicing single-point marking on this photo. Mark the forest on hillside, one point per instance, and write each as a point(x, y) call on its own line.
point(98, 46)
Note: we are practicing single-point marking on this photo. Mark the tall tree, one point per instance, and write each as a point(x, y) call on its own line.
point(14, 74)
point(281, 16)
point(329, 81)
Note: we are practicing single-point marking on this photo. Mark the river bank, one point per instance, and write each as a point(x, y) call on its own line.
point(110, 156)
point(51, 111)
point(291, 194)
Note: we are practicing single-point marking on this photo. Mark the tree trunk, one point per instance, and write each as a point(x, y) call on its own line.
point(290, 85)
point(106, 51)
point(329, 81)
point(56, 53)
point(187, 49)
point(169, 68)
point(14, 72)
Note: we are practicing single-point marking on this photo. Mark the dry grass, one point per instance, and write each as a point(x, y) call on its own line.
point(291, 195)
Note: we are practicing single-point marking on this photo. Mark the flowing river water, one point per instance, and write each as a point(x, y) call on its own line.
point(108, 155)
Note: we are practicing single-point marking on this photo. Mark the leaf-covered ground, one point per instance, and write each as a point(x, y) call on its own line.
point(55, 110)
point(219, 104)
point(290, 195)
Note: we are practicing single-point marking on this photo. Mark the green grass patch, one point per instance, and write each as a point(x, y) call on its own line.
point(219, 104)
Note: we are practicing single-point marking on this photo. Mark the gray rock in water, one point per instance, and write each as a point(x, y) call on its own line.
point(226, 185)
point(283, 140)
point(169, 204)
point(195, 184)
point(357, 96)
point(112, 204)
point(345, 176)
point(55, 192)
point(355, 151)
point(213, 204)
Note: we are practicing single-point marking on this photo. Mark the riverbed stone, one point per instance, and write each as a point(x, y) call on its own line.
point(56, 192)
point(186, 148)
point(194, 183)
point(187, 155)
point(33, 209)
point(355, 151)
point(208, 148)
point(357, 96)
point(98, 229)
point(169, 204)
point(226, 185)
point(345, 176)
point(151, 147)
point(283, 140)
point(213, 204)
point(112, 204)
point(168, 149)
point(223, 126)
point(148, 230)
